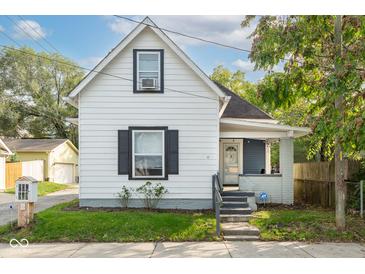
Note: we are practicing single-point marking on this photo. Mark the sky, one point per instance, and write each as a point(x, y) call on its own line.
point(87, 39)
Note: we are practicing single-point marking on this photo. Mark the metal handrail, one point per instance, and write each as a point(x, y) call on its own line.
point(217, 201)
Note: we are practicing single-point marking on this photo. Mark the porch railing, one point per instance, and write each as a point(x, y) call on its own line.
point(217, 189)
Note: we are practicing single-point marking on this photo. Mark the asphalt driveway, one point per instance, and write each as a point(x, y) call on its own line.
point(8, 214)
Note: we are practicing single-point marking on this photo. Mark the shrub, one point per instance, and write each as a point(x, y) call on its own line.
point(125, 195)
point(152, 194)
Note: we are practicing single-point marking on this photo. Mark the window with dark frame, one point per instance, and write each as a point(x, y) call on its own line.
point(148, 71)
point(148, 153)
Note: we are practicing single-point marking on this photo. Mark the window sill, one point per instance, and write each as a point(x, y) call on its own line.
point(148, 178)
point(148, 91)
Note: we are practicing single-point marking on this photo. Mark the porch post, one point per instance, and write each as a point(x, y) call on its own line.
point(286, 170)
point(267, 157)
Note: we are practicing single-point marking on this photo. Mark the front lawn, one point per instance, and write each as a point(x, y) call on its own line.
point(58, 225)
point(44, 188)
point(280, 224)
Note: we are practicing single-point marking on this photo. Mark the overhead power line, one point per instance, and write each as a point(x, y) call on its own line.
point(98, 72)
point(183, 34)
point(26, 33)
point(206, 40)
point(39, 34)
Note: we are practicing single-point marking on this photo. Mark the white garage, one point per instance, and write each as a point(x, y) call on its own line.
point(64, 173)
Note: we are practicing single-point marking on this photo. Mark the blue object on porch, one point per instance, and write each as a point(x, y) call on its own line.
point(263, 197)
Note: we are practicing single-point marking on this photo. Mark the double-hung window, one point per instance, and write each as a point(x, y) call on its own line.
point(148, 153)
point(148, 71)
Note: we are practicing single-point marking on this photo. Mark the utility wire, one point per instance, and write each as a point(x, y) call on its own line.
point(183, 34)
point(40, 35)
point(205, 40)
point(98, 72)
point(26, 33)
point(11, 39)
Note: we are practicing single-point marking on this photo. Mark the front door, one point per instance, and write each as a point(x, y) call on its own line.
point(231, 161)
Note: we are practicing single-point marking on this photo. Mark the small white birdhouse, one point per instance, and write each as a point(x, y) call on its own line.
point(26, 189)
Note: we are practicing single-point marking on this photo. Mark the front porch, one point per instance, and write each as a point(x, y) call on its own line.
point(245, 157)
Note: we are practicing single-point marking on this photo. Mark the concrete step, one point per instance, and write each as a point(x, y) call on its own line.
point(239, 193)
point(235, 204)
point(241, 238)
point(234, 199)
point(236, 211)
point(233, 218)
point(242, 229)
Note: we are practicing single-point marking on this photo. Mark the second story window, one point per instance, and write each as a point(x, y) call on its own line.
point(148, 71)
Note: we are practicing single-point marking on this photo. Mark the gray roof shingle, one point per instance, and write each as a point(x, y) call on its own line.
point(240, 108)
point(33, 144)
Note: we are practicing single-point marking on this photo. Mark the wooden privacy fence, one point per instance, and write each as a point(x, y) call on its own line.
point(314, 183)
point(12, 172)
point(27, 168)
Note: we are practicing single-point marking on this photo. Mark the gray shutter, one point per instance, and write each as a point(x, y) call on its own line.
point(173, 151)
point(123, 152)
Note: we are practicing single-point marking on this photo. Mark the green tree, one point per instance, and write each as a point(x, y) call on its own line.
point(31, 91)
point(236, 82)
point(327, 69)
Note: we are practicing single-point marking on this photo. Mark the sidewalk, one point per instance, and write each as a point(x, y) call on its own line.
point(187, 249)
point(58, 197)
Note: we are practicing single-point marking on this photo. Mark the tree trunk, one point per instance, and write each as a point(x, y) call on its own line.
point(340, 185)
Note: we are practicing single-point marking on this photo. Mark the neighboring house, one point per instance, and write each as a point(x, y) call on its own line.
point(60, 157)
point(5, 152)
point(153, 115)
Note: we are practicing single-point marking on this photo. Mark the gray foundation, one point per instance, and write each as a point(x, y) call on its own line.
point(138, 203)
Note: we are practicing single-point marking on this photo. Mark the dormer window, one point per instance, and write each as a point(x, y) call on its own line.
point(148, 71)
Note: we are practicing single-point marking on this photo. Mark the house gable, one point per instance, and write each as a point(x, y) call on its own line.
point(125, 43)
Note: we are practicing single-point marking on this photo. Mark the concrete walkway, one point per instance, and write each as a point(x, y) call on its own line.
point(255, 249)
point(6, 200)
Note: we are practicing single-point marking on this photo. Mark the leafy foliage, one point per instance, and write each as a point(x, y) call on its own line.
point(125, 195)
point(152, 194)
point(308, 47)
point(31, 91)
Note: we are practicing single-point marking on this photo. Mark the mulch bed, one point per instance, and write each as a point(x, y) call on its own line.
point(76, 207)
point(273, 206)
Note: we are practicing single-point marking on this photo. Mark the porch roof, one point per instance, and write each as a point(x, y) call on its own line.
point(250, 128)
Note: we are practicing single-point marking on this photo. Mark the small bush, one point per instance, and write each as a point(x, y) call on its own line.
point(152, 194)
point(124, 196)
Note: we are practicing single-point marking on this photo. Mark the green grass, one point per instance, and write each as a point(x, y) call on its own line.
point(44, 188)
point(306, 225)
point(55, 224)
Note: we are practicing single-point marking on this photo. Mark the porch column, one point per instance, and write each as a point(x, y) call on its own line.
point(286, 169)
point(267, 157)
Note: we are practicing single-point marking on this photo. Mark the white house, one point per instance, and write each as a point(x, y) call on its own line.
point(148, 113)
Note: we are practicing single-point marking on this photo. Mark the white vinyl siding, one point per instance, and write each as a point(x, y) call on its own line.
point(108, 104)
